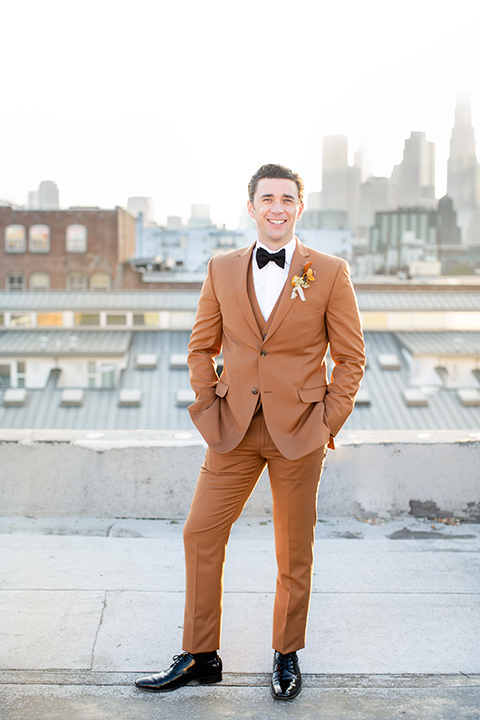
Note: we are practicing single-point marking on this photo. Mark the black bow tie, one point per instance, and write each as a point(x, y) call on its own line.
point(264, 257)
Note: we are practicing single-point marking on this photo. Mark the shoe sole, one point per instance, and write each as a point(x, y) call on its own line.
point(200, 681)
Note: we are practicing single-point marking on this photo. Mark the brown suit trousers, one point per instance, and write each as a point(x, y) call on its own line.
point(226, 481)
point(224, 486)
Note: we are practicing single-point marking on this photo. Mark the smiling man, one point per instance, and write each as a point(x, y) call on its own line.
point(274, 309)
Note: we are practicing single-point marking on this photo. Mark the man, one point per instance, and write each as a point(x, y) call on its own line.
point(274, 309)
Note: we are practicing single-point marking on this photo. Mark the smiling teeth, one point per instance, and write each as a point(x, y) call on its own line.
point(277, 222)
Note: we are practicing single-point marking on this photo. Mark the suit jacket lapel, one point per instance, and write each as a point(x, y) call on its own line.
point(240, 268)
point(285, 301)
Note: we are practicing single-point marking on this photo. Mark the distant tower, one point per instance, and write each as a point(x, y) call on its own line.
point(335, 172)
point(340, 182)
point(415, 176)
point(463, 169)
point(48, 195)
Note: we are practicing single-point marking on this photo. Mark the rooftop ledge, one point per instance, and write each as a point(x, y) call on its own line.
point(148, 474)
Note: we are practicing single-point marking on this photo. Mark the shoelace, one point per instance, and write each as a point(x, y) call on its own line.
point(286, 661)
point(178, 659)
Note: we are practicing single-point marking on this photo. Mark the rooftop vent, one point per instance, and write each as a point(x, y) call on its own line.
point(363, 398)
point(414, 397)
point(389, 361)
point(130, 398)
point(469, 396)
point(13, 397)
point(178, 361)
point(442, 373)
point(185, 398)
point(72, 398)
point(147, 361)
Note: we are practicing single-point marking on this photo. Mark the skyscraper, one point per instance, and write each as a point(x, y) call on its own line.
point(415, 176)
point(340, 181)
point(463, 184)
point(48, 195)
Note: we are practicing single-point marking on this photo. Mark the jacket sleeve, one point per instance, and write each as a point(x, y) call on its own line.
point(347, 349)
point(205, 341)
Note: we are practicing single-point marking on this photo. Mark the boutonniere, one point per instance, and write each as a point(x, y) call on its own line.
point(302, 281)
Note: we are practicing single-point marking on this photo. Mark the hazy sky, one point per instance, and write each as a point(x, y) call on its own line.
point(183, 100)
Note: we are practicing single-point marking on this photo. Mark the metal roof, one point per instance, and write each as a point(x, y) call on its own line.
point(440, 343)
point(64, 342)
point(387, 409)
point(156, 300)
point(419, 301)
point(142, 301)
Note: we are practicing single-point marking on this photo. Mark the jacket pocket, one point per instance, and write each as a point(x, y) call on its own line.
point(304, 307)
point(221, 389)
point(311, 395)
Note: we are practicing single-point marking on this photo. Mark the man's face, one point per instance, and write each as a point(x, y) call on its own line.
point(275, 209)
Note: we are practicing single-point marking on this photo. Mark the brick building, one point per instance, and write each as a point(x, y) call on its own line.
point(74, 249)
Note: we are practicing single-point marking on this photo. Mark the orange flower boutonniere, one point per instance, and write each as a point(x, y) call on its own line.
point(302, 281)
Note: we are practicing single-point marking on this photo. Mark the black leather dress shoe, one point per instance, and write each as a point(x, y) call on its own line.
point(184, 669)
point(286, 678)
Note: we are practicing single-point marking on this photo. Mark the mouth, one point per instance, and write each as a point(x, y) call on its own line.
point(277, 222)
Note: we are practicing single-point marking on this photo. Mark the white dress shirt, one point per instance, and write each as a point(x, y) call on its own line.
point(270, 280)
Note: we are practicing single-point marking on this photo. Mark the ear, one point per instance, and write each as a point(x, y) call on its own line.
point(250, 210)
point(301, 208)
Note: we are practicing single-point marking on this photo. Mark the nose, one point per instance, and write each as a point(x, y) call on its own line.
point(277, 206)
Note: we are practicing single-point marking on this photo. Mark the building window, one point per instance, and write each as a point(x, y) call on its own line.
point(76, 239)
point(39, 239)
point(100, 281)
point(107, 373)
point(116, 319)
point(92, 373)
point(76, 281)
point(40, 281)
point(52, 319)
point(87, 319)
point(15, 281)
point(2, 319)
point(4, 376)
point(20, 320)
point(149, 319)
point(15, 239)
point(21, 374)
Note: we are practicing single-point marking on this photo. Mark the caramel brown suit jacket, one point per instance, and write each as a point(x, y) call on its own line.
point(285, 365)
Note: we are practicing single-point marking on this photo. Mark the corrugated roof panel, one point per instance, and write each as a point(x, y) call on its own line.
point(156, 300)
point(64, 342)
point(441, 343)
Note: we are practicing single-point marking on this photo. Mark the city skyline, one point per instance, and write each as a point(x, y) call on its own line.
point(183, 103)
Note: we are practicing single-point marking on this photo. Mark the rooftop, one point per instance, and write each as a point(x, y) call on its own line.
point(156, 300)
point(381, 404)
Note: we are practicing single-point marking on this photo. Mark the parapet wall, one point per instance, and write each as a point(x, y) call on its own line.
point(152, 475)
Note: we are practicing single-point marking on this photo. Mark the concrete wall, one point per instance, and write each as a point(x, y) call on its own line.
point(153, 474)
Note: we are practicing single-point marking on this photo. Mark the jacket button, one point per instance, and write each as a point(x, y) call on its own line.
point(263, 353)
point(255, 391)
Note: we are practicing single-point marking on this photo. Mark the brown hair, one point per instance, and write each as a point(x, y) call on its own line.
point(274, 171)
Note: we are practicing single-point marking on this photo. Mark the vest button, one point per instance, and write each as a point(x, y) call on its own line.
point(263, 353)
point(255, 391)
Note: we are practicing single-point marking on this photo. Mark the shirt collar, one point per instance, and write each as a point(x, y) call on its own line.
point(289, 249)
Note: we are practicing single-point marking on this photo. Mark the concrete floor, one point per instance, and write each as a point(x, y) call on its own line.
point(87, 605)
